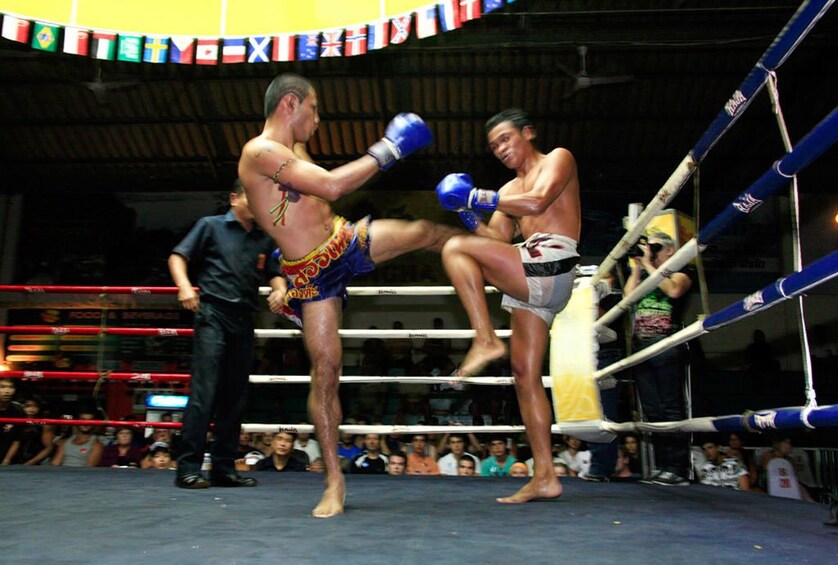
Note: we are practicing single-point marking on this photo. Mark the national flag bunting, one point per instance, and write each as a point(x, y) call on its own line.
point(103, 46)
point(45, 37)
point(155, 49)
point(356, 40)
point(16, 29)
point(76, 41)
point(206, 52)
point(378, 35)
point(491, 5)
point(426, 22)
point(307, 46)
point(332, 45)
point(233, 50)
point(400, 29)
point(469, 10)
point(258, 49)
point(449, 15)
point(284, 47)
point(182, 50)
point(130, 48)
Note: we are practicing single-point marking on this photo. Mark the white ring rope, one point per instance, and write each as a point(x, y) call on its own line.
point(368, 379)
point(387, 334)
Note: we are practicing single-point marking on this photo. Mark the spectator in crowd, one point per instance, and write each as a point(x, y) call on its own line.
point(305, 442)
point(782, 448)
point(373, 356)
point(577, 458)
point(159, 456)
point(399, 353)
point(37, 442)
point(467, 466)
point(660, 380)
point(167, 436)
point(560, 468)
point(371, 461)
point(519, 469)
point(82, 449)
point(449, 464)
point(283, 458)
point(419, 460)
point(760, 359)
point(245, 445)
point(123, 452)
point(632, 446)
point(347, 448)
point(397, 463)
point(736, 448)
point(500, 461)
point(437, 359)
point(264, 442)
point(10, 434)
point(720, 470)
point(622, 472)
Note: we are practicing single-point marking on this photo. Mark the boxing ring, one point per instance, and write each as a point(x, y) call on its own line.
point(113, 515)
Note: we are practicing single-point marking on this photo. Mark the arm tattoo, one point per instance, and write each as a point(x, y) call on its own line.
point(279, 210)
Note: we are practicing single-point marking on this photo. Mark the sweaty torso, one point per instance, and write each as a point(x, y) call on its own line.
point(562, 217)
point(298, 223)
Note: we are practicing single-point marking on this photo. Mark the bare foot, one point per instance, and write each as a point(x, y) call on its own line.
point(332, 502)
point(534, 490)
point(479, 356)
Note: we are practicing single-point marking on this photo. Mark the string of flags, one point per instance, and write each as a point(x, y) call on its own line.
point(426, 21)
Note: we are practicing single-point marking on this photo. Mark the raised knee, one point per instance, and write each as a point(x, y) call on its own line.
point(455, 245)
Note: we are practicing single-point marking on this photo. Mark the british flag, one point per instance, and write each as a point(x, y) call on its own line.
point(356, 40)
point(332, 45)
point(399, 29)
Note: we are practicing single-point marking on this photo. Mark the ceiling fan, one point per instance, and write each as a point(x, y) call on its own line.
point(100, 87)
point(582, 80)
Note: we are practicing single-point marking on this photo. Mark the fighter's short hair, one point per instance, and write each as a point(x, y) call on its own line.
point(519, 118)
point(664, 238)
point(286, 83)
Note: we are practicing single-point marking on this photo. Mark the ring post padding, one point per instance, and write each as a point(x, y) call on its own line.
point(573, 349)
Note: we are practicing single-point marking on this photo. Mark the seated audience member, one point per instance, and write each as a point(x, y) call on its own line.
point(781, 448)
point(467, 467)
point(245, 445)
point(159, 456)
point(419, 461)
point(736, 448)
point(456, 444)
point(499, 462)
point(10, 434)
point(720, 470)
point(371, 461)
point(283, 458)
point(519, 469)
point(560, 468)
point(264, 442)
point(167, 436)
point(82, 449)
point(37, 441)
point(635, 463)
point(347, 448)
point(577, 459)
point(397, 463)
point(622, 471)
point(311, 446)
point(122, 452)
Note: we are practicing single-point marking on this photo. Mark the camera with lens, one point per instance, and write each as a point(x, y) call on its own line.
point(634, 250)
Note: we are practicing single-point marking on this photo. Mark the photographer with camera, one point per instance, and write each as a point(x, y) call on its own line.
point(660, 380)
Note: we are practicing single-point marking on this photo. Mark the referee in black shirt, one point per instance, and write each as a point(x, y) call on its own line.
point(230, 256)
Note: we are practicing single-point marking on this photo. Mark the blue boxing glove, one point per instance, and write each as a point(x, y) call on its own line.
point(471, 220)
point(456, 191)
point(405, 134)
